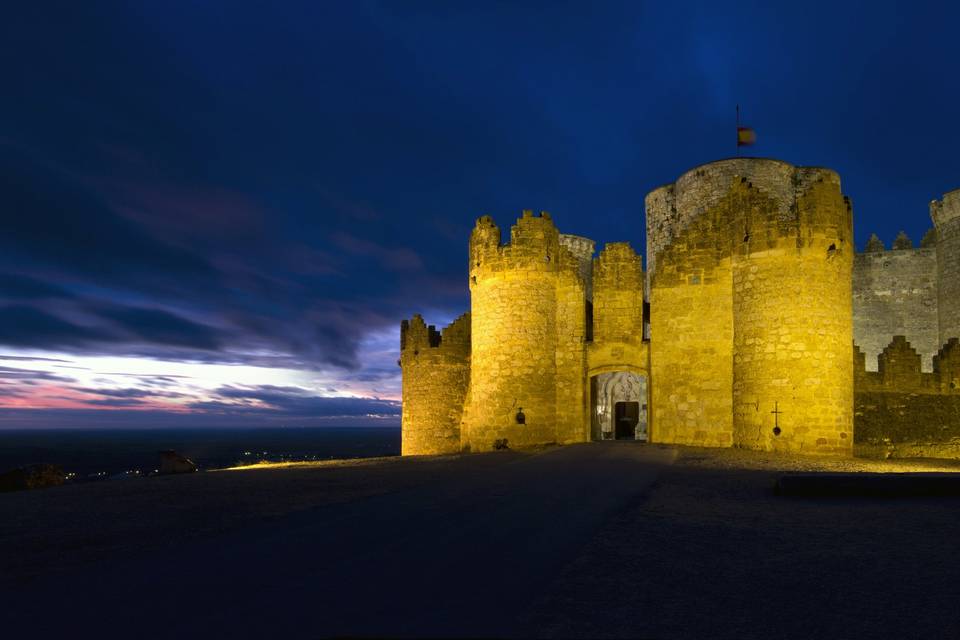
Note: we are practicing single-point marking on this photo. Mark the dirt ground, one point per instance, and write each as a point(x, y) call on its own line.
point(706, 551)
point(711, 552)
point(54, 529)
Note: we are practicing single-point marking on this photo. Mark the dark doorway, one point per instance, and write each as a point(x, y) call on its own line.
point(626, 415)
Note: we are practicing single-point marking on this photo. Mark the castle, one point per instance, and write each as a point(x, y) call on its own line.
point(755, 325)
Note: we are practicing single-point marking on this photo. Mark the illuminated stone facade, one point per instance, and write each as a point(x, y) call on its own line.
point(738, 335)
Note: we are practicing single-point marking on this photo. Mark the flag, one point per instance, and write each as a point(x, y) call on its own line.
point(745, 136)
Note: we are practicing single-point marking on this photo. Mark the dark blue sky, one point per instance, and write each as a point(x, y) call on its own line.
point(233, 204)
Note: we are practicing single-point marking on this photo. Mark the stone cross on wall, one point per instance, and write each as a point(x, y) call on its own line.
point(776, 418)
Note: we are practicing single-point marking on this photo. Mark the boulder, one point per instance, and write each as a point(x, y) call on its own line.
point(33, 476)
point(173, 462)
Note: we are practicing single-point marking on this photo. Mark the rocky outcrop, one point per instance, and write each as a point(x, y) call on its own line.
point(34, 476)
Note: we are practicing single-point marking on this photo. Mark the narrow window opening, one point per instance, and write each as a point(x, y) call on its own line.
point(589, 327)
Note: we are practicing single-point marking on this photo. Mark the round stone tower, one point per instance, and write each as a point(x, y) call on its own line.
point(513, 290)
point(793, 317)
point(776, 242)
point(946, 219)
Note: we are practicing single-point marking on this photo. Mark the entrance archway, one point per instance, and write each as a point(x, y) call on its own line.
point(618, 403)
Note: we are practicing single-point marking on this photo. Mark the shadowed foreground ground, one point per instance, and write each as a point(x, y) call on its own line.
point(608, 539)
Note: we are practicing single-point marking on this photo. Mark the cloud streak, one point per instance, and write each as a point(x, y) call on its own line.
point(258, 196)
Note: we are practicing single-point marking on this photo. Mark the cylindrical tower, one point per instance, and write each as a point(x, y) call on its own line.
point(513, 309)
point(749, 269)
point(792, 263)
point(946, 219)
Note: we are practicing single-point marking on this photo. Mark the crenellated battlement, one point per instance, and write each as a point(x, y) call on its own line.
point(457, 333)
point(803, 201)
point(415, 334)
point(901, 243)
point(946, 366)
point(416, 337)
point(746, 220)
point(899, 370)
point(536, 248)
point(899, 364)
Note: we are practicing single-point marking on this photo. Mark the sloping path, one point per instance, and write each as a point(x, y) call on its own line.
point(465, 558)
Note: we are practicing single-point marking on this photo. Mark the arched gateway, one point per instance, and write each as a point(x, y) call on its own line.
point(618, 401)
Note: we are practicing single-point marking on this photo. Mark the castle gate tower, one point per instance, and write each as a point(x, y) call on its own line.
point(750, 266)
point(946, 219)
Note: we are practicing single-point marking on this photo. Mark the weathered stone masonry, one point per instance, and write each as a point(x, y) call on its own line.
point(902, 411)
point(436, 373)
point(739, 334)
point(895, 293)
point(751, 310)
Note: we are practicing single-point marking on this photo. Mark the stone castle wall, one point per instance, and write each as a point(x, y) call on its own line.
point(435, 370)
point(904, 412)
point(618, 295)
point(691, 341)
point(571, 393)
point(751, 310)
point(895, 293)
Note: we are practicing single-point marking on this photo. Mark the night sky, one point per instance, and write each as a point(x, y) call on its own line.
point(217, 213)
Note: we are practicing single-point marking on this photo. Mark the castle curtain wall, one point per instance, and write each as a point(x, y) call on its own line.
point(895, 293)
point(909, 404)
point(902, 412)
